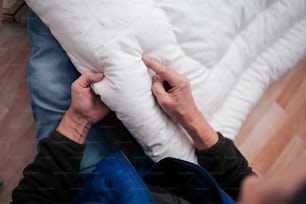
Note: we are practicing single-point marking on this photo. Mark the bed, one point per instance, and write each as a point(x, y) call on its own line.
point(230, 50)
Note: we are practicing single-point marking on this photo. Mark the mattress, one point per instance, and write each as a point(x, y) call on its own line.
point(230, 50)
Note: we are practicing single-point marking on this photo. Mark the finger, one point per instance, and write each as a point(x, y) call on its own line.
point(165, 84)
point(89, 78)
point(158, 88)
point(171, 76)
point(156, 78)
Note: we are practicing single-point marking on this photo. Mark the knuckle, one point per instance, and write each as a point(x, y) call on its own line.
point(86, 73)
point(74, 85)
point(184, 82)
point(162, 71)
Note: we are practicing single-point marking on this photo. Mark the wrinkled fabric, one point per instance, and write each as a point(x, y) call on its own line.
point(229, 50)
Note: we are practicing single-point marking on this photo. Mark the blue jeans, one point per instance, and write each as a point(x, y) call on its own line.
point(50, 76)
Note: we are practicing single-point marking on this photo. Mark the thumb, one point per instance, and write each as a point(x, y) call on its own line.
point(89, 78)
point(158, 88)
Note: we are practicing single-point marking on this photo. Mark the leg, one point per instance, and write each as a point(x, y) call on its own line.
point(49, 79)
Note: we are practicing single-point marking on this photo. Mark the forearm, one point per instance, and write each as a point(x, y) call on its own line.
point(53, 174)
point(225, 162)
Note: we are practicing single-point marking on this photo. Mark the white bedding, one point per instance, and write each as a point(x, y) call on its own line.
point(231, 50)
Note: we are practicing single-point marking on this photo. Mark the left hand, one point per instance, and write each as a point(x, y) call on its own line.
point(85, 109)
point(85, 105)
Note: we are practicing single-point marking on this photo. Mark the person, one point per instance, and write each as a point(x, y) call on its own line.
point(50, 75)
point(52, 177)
point(53, 174)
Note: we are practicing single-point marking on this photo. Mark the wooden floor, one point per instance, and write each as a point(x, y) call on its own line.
point(17, 143)
point(273, 137)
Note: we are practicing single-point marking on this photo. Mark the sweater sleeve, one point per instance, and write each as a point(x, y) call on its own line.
point(227, 165)
point(52, 177)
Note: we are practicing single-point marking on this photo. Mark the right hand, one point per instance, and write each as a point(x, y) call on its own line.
point(179, 104)
point(178, 101)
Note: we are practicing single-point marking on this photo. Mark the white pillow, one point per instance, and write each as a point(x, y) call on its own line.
point(213, 43)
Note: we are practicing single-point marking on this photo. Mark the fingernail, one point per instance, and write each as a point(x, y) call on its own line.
point(145, 57)
point(101, 75)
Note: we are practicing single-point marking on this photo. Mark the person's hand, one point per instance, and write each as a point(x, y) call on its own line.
point(85, 109)
point(278, 186)
point(173, 93)
point(85, 105)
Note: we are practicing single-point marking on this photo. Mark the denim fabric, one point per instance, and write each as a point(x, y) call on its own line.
point(49, 79)
point(50, 76)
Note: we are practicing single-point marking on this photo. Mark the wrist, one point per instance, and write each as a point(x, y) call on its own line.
point(201, 132)
point(193, 120)
point(74, 126)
